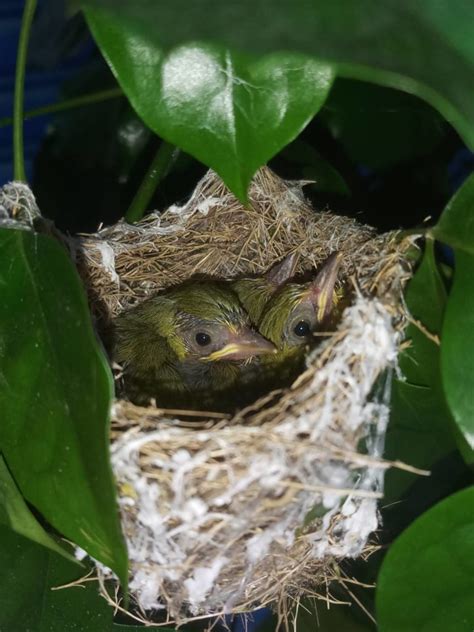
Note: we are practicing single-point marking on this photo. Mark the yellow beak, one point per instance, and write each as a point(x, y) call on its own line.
point(322, 288)
point(245, 344)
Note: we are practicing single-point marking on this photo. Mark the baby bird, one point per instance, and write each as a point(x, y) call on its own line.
point(297, 310)
point(183, 346)
point(255, 292)
point(289, 318)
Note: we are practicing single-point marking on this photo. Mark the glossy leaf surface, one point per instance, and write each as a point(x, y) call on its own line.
point(14, 513)
point(419, 434)
point(55, 394)
point(229, 110)
point(426, 302)
point(29, 574)
point(427, 578)
point(425, 48)
point(456, 228)
point(420, 429)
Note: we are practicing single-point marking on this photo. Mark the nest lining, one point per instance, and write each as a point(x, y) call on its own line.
point(227, 503)
point(213, 235)
point(221, 517)
point(18, 208)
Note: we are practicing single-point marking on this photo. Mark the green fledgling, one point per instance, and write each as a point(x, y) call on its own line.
point(183, 346)
point(297, 310)
point(290, 318)
point(255, 292)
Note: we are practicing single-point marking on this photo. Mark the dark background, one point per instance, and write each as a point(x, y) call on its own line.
point(378, 154)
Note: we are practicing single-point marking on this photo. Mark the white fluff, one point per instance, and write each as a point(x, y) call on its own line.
point(168, 532)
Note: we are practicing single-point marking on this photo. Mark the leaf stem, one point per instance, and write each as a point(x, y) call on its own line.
point(417, 232)
point(158, 169)
point(67, 104)
point(18, 157)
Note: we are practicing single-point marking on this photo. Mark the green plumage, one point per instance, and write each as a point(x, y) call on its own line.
point(291, 313)
point(190, 346)
point(282, 311)
point(156, 344)
point(254, 294)
point(278, 312)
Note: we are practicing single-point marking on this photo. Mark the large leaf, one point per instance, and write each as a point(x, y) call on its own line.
point(229, 110)
point(426, 302)
point(420, 429)
point(427, 578)
point(28, 575)
point(425, 48)
point(456, 228)
point(55, 394)
point(457, 353)
point(14, 513)
point(32, 599)
point(456, 224)
point(419, 433)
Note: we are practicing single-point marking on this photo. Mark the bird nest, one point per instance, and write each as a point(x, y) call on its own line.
point(223, 513)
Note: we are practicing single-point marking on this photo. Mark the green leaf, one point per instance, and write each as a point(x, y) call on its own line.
point(427, 578)
point(419, 434)
point(456, 224)
point(456, 228)
point(426, 302)
point(28, 574)
point(55, 395)
point(425, 48)
point(15, 514)
point(420, 429)
point(457, 352)
point(229, 110)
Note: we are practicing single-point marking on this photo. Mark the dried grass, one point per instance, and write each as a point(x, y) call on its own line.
point(227, 513)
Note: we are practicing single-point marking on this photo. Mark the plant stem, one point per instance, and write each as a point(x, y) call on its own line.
point(67, 104)
point(18, 158)
point(421, 232)
point(158, 169)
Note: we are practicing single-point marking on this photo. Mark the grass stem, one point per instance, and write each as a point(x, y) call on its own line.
point(158, 169)
point(18, 98)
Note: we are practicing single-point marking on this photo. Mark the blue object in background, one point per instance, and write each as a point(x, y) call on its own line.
point(460, 167)
point(446, 254)
point(251, 622)
point(52, 59)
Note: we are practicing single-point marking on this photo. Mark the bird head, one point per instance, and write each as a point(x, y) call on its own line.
point(209, 324)
point(298, 309)
point(255, 292)
point(193, 321)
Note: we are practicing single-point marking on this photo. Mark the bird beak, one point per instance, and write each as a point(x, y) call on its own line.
point(322, 288)
point(244, 344)
point(280, 273)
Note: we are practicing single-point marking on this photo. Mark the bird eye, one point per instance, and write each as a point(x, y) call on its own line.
point(302, 328)
point(203, 339)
